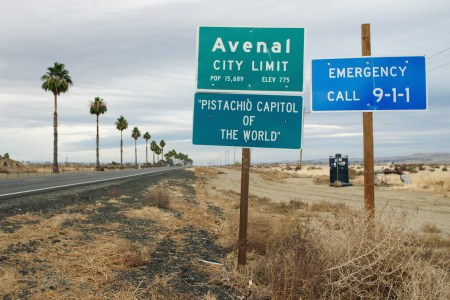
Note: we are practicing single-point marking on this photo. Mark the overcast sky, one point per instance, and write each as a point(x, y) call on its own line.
point(140, 57)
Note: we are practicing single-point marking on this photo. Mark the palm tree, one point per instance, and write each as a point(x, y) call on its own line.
point(121, 124)
point(135, 134)
point(146, 136)
point(157, 151)
point(178, 157)
point(162, 144)
point(58, 81)
point(153, 147)
point(97, 107)
point(170, 157)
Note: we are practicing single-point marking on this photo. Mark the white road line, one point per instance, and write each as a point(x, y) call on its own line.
point(82, 183)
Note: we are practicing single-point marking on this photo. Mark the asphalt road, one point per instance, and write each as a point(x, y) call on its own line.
point(17, 187)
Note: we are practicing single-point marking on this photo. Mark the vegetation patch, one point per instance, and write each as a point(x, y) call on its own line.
point(349, 260)
point(159, 197)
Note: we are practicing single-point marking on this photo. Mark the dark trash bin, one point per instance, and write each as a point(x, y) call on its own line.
point(339, 170)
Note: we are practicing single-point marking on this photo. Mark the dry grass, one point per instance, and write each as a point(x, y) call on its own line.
point(436, 241)
point(292, 205)
point(430, 228)
point(326, 250)
point(95, 263)
point(8, 280)
point(439, 181)
point(297, 250)
point(275, 175)
point(339, 257)
point(327, 206)
point(380, 260)
point(210, 296)
point(354, 173)
point(159, 197)
point(322, 179)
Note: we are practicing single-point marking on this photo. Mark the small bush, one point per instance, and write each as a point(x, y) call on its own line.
point(326, 206)
point(435, 240)
point(260, 232)
point(314, 168)
point(285, 207)
point(353, 259)
point(430, 228)
point(297, 204)
point(160, 198)
point(354, 173)
point(412, 169)
point(385, 264)
point(134, 256)
point(440, 183)
point(444, 169)
point(323, 179)
point(295, 265)
point(210, 296)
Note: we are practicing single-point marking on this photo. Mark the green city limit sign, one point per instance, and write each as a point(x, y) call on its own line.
point(250, 59)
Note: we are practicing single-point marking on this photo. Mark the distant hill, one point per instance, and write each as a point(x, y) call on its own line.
point(424, 158)
point(7, 163)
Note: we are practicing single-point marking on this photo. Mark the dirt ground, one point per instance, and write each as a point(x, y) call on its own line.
point(426, 201)
point(168, 236)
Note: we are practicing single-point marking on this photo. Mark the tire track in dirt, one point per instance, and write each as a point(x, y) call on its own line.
point(420, 207)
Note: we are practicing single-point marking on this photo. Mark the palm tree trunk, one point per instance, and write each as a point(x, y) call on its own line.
point(135, 153)
point(97, 153)
point(121, 150)
point(55, 137)
point(146, 153)
point(153, 157)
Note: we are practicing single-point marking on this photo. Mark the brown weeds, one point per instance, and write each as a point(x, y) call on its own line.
point(430, 228)
point(159, 197)
point(344, 259)
point(322, 179)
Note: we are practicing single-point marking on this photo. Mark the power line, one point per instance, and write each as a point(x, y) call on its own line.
point(440, 52)
point(444, 64)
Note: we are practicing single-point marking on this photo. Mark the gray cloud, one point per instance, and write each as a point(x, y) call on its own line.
point(140, 57)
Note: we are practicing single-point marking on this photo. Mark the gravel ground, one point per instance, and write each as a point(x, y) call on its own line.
point(175, 258)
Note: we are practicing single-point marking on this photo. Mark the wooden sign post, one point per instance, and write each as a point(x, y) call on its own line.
point(369, 192)
point(243, 217)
